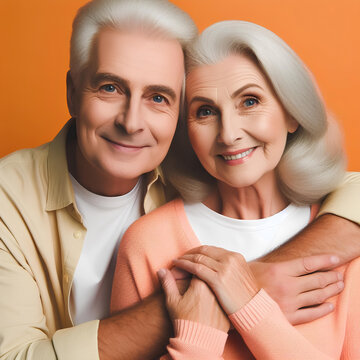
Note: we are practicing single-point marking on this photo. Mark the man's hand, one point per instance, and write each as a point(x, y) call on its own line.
point(301, 286)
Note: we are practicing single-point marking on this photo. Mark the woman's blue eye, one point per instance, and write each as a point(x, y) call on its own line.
point(250, 102)
point(109, 88)
point(158, 99)
point(204, 112)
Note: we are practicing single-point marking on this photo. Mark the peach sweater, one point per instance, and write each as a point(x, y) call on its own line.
point(262, 331)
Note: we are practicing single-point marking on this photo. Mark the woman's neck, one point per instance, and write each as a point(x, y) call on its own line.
point(257, 201)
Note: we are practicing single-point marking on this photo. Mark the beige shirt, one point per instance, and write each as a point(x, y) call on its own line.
point(41, 236)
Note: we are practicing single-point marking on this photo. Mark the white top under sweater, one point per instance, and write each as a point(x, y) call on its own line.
point(106, 220)
point(251, 238)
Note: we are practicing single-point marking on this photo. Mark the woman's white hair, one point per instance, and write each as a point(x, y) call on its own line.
point(154, 17)
point(313, 161)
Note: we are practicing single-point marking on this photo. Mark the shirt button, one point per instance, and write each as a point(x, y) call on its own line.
point(77, 234)
point(66, 278)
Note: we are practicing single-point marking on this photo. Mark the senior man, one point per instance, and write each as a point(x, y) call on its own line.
point(65, 205)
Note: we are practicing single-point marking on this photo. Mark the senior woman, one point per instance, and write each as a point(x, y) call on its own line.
point(260, 130)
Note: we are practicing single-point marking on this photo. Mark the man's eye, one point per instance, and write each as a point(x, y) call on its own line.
point(204, 112)
point(108, 88)
point(158, 99)
point(250, 102)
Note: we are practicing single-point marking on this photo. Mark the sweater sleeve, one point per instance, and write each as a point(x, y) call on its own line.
point(196, 341)
point(145, 248)
point(351, 348)
point(131, 277)
point(269, 335)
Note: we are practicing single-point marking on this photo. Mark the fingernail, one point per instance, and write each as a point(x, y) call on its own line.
point(341, 284)
point(340, 276)
point(161, 273)
point(331, 306)
point(334, 259)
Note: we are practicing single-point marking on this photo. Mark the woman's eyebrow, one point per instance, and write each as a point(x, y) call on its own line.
point(241, 89)
point(201, 99)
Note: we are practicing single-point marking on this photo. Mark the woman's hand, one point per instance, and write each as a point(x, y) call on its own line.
point(197, 304)
point(226, 273)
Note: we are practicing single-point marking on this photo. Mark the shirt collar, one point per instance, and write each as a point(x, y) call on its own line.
point(155, 190)
point(60, 191)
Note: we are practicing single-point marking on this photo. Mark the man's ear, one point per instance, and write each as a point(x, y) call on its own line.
point(71, 94)
point(292, 124)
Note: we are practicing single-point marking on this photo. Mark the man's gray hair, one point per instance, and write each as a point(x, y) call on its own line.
point(154, 17)
point(313, 161)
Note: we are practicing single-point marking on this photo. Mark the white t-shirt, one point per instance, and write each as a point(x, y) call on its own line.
point(251, 238)
point(106, 220)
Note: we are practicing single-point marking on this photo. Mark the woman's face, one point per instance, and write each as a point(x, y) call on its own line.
point(236, 124)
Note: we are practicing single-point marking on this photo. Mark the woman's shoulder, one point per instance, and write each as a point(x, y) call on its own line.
point(157, 224)
point(161, 216)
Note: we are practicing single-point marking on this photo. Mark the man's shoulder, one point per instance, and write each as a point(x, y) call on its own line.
point(23, 161)
point(24, 172)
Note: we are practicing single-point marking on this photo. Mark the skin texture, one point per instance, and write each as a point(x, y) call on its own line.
point(227, 273)
point(119, 336)
point(233, 110)
point(188, 307)
point(126, 110)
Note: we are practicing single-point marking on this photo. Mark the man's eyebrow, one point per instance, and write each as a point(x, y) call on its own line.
point(201, 99)
point(101, 77)
point(162, 89)
point(240, 90)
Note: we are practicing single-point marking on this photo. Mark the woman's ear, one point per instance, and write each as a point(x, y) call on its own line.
point(292, 124)
point(70, 95)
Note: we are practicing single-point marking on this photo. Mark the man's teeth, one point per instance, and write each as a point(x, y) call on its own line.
point(238, 156)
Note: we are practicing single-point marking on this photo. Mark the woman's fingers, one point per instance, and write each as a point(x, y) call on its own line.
point(199, 258)
point(214, 252)
point(168, 284)
point(230, 278)
point(199, 268)
point(197, 304)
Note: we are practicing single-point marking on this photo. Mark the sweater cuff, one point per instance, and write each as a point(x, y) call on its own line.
point(202, 336)
point(258, 308)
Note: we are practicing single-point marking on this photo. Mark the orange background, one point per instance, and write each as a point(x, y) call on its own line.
point(35, 55)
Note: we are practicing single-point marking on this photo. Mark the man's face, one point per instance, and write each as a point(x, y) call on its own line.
point(127, 106)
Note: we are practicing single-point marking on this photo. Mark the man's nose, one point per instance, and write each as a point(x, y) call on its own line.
point(130, 116)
